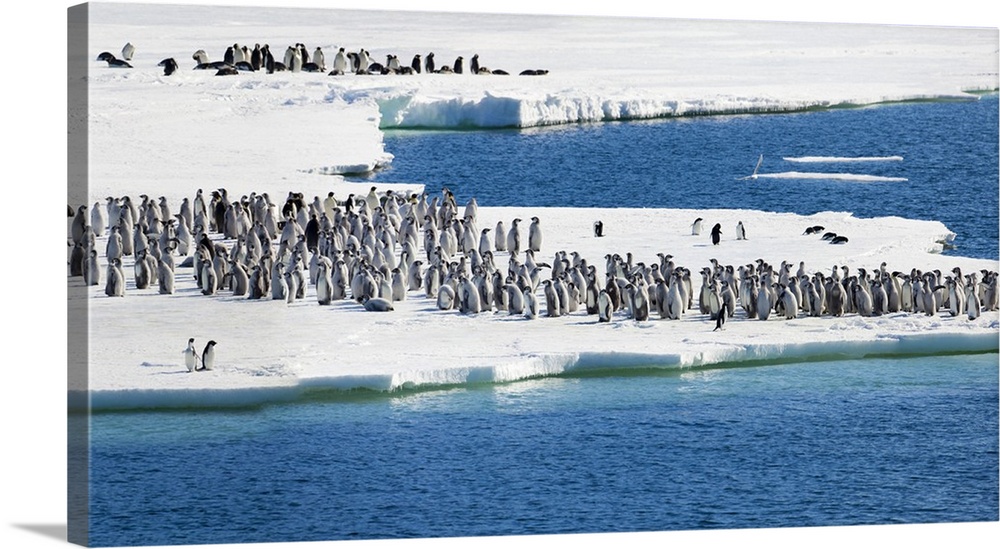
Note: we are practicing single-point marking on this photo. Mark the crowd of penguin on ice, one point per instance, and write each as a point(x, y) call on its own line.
point(297, 59)
point(384, 247)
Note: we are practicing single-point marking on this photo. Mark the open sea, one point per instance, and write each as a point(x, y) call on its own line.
point(842, 442)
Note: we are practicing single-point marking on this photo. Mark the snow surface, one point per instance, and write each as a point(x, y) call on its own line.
point(170, 135)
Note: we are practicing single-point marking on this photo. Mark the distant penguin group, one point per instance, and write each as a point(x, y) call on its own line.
point(240, 58)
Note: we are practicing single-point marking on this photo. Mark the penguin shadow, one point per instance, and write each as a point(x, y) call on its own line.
point(183, 369)
point(156, 365)
point(594, 322)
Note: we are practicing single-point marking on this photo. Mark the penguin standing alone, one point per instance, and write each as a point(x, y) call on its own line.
point(716, 234)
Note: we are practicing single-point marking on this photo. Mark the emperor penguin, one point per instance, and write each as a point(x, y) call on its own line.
point(169, 66)
point(190, 356)
point(972, 303)
point(720, 319)
point(535, 235)
point(297, 59)
point(604, 308)
point(500, 237)
point(514, 238)
point(340, 62)
point(208, 356)
point(446, 297)
point(790, 303)
point(165, 274)
point(363, 62)
point(716, 234)
point(92, 271)
point(115, 286)
point(696, 226)
point(416, 63)
point(763, 302)
point(372, 200)
point(319, 58)
point(79, 226)
point(515, 299)
point(551, 299)
point(741, 233)
point(97, 222)
point(530, 305)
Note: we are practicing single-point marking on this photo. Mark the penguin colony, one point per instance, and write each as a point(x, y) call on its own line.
point(383, 248)
point(297, 58)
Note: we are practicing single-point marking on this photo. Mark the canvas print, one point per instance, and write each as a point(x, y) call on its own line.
point(354, 275)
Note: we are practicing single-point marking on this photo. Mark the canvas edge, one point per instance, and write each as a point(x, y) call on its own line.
point(78, 413)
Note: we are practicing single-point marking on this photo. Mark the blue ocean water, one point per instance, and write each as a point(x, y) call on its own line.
point(949, 152)
point(871, 441)
point(823, 443)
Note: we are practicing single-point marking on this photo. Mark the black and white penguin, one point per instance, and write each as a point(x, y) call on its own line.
point(696, 226)
point(113, 61)
point(190, 356)
point(363, 62)
point(474, 64)
point(169, 66)
point(741, 233)
point(429, 62)
point(128, 50)
point(457, 68)
point(319, 59)
point(535, 235)
point(208, 356)
point(604, 306)
point(716, 234)
point(598, 228)
point(256, 57)
point(268, 59)
point(415, 64)
point(720, 319)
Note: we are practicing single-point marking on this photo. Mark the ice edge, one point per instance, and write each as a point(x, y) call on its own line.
point(533, 366)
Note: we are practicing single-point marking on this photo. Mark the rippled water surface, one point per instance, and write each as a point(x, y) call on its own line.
point(948, 150)
point(824, 443)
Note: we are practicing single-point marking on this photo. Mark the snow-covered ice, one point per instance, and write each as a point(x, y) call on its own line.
point(170, 135)
point(272, 350)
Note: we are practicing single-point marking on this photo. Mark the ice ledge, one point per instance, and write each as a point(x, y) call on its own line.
point(409, 109)
point(511, 369)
